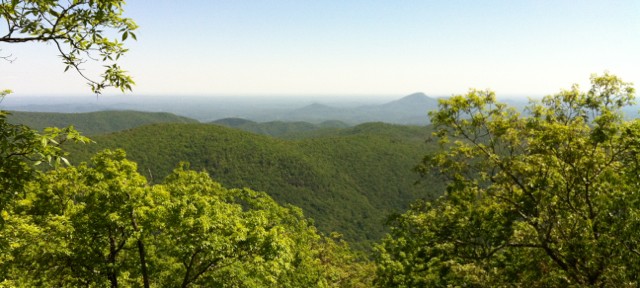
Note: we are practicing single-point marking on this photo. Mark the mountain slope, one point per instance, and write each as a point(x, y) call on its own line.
point(279, 128)
point(95, 122)
point(348, 180)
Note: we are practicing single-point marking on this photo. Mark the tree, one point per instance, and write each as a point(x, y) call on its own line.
point(79, 31)
point(545, 199)
point(77, 226)
point(102, 224)
point(21, 149)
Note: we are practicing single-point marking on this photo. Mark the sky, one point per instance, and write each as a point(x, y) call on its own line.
point(353, 47)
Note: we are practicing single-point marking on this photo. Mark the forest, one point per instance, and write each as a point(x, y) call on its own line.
point(545, 198)
point(484, 196)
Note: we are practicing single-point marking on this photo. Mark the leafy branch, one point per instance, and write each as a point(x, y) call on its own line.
point(77, 29)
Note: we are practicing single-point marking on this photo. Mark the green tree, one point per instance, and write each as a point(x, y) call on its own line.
point(77, 226)
point(102, 224)
point(79, 31)
point(546, 199)
point(206, 235)
point(21, 149)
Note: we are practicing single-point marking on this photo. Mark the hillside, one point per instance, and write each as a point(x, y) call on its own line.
point(348, 180)
point(94, 122)
point(281, 129)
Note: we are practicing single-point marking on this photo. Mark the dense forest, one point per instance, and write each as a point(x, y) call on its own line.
point(281, 129)
point(544, 198)
point(334, 175)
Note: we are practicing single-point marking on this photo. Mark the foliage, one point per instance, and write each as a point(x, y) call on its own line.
point(22, 148)
point(549, 199)
point(79, 29)
point(280, 129)
point(101, 224)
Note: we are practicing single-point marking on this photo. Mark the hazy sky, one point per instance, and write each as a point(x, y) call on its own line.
point(343, 47)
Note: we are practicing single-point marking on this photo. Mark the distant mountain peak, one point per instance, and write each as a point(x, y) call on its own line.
point(418, 98)
point(416, 95)
point(316, 105)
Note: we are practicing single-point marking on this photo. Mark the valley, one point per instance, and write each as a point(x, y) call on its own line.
point(348, 179)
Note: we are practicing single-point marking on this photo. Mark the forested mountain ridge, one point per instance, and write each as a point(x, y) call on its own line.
point(92, 123)
point(282, 129)
point(348, 180)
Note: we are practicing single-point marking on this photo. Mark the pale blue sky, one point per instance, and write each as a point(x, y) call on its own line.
point(295, 47)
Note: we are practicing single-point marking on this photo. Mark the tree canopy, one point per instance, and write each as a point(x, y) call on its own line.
point(549, 198)
point(102, 224)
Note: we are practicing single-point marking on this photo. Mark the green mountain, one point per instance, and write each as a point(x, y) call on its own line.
point(348, 180)
point(281, 129)
point(95, 122)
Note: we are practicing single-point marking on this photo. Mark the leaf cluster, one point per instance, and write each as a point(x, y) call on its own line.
point(79, 29)
point(22, 148)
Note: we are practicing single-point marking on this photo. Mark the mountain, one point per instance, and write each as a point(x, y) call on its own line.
point(349, 179)
point(411, 102)
point(316, 113)
point(409, 110)
point(234, 122)
point(95, 122)
point(279, 128)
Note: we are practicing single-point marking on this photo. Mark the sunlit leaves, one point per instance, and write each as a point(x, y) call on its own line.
point(21, 148)
point(538, 200)
point(102, 224)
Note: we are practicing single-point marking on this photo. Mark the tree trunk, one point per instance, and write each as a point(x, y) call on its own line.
point(141, 252)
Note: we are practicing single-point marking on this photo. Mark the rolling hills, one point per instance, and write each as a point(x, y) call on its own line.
point(92, 123)
point(347, 179)
point(409, 110)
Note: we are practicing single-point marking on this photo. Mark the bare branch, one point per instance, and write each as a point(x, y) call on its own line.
point(9, 58)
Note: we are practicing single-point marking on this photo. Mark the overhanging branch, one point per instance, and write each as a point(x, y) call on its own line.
point(30, 39)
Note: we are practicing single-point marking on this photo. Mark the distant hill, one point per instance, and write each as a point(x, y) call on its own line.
point(95, 122)
point(234, 122)
point(348, 179)
point(279, 128)
point(415, 100)
point(409, 110)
